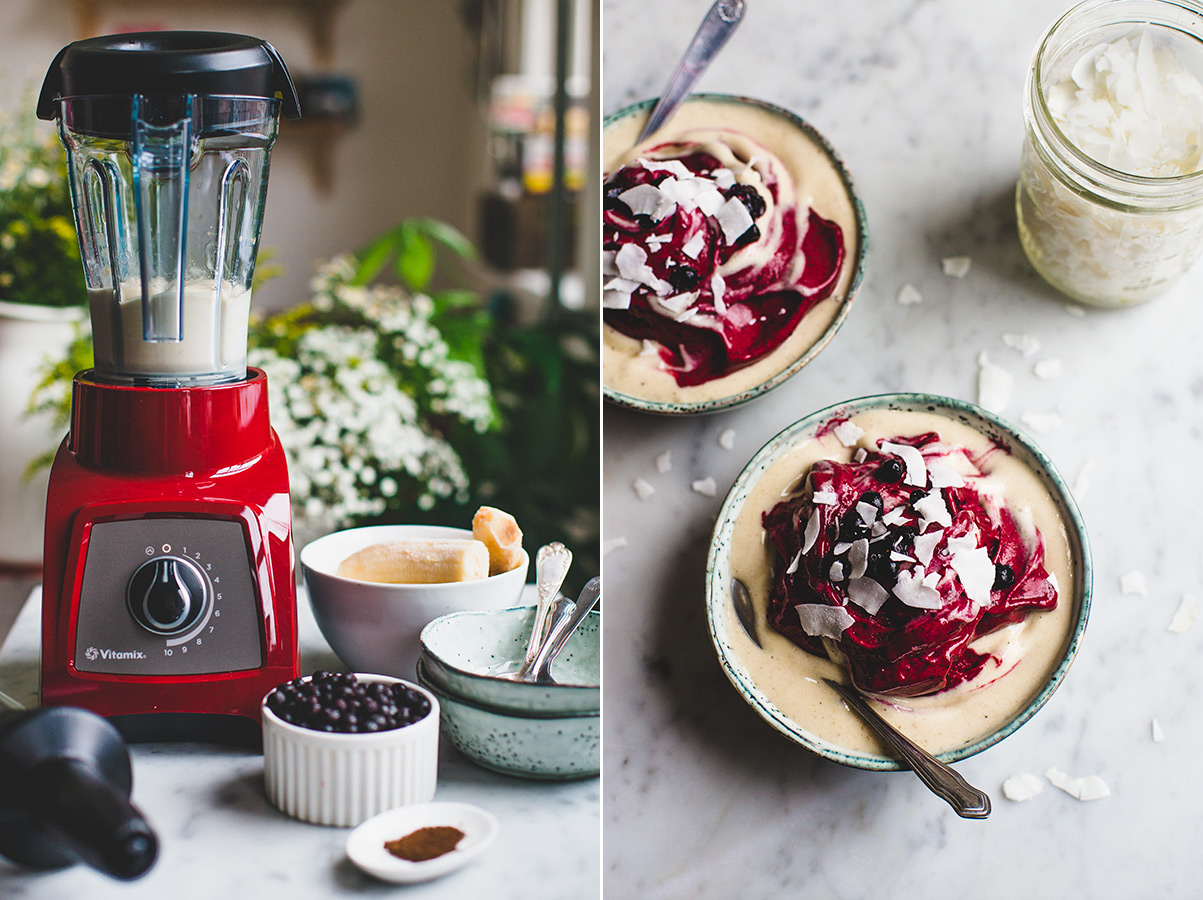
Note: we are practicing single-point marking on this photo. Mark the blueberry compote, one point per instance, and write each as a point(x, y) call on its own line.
point(897, 561)
point(338, 701)
point(710, 261)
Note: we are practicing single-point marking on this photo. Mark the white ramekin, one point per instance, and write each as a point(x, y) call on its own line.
point(344, 779)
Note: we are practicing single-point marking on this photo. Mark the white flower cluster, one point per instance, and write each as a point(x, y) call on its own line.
point(357, 429)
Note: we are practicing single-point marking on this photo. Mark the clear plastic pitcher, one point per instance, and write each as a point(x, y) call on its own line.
point(168, 137)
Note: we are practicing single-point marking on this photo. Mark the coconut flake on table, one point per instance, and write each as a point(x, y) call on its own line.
point(1185, 615)
point(1022, 786)
point(908, 295)
point(867, 594)
point(1048, 369)
point(664, 462)
point(734, 219)
point(956, 266)
point(643, 489)
point(848, 433)
point(825, 498)
point(705, 486)
point(611, 544)
point(726, 439)
point(821, 620)
point(1024, 344)
point(1155, 732)
point(993, 385)
point(1078, 312)
point(1082, 483)
point(912, 458)
point(1133, 583)
point(1087, 787)
point(1041, 423)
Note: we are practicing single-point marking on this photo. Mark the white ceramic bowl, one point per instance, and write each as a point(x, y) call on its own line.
point(375, 627)
point(343, 779)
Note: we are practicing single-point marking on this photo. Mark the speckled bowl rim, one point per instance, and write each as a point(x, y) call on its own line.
point(565, 688)
point(446, 697)
point(718, 568)
point(862, 240)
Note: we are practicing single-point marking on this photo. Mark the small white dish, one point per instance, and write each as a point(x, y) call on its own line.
point(365, 845)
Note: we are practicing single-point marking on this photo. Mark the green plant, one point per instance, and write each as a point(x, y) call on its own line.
point(39, 251)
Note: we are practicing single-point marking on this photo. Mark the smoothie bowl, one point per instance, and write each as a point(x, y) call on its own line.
point(733, 245)
point(911, 545)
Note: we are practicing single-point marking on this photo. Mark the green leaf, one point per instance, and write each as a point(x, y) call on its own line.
point(415, 257)
point(447, 235)
point(374, 257)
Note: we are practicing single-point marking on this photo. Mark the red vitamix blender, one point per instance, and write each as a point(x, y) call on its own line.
point(168, 600)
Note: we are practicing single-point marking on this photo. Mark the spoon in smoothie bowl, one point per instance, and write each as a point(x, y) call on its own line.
point(551, 568)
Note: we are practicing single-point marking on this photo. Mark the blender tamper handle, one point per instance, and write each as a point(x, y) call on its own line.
point(64, 794)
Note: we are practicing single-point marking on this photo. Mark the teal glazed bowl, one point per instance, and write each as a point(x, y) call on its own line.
point(545, 747)
point(463, 653)
point(772, 370)
point(737, 654)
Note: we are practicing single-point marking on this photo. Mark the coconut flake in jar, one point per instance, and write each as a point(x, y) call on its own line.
point(1110, 195)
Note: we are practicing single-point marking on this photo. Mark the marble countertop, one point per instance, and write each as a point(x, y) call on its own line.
point(701, 798)
point(219, 836)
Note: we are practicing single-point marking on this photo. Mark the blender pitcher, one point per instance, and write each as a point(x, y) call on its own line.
point(168, 136)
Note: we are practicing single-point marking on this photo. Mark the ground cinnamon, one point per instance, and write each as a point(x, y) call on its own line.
point(425, 843)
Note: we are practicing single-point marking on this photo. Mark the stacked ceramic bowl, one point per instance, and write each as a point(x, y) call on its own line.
point(547, 731)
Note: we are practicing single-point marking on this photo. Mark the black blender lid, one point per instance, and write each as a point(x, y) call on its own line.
point(168, 63)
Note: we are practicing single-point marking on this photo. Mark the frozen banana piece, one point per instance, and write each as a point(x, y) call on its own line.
point(418, 561)
point(499, 532)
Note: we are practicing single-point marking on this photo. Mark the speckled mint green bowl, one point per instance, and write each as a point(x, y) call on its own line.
point(551, 747)
point(463, 651)
point(724, 629)
point(858, 241)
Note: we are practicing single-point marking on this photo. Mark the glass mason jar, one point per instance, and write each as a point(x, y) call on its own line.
point(1100, 235)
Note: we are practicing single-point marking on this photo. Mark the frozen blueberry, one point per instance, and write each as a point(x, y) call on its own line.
point(683, 278)
point(1004, 576)
point(751, 199)
point(890, 471)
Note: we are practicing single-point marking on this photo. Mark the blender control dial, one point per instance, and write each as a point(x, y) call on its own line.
point(168, 595)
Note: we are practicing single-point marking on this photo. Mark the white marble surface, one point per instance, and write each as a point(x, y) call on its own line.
point(219, 836)
point(701, 798)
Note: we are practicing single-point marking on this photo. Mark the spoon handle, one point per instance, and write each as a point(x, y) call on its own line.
point(561, 631)
point(941, 779)
point(551, 567)
point(711, 35)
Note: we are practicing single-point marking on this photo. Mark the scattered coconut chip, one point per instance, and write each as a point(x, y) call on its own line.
point(1078, 312)
point(643, 488)
point(925, 546)
point(860, 455)
point(664, 462)
point(1133, 583)
point(932, 509)
point(734, 219)
point(908, 295)
point(718, 289)
point(956, 266)
point(944, 475)
point(824, 498)
point(1048, 369)
point(1022, 786)
point(694, 245)
point(836, 572)
point(726, 439)
point(1041, 423)
point(705, 486)
point(1082, 482)
point(821, 620)
point(867, 594)
point(649, 348)
point(993, 385)
point(848, 432)
point(1088, 787)
point(975, 569)
point(1187, 612)
point(912, 458)
point(894, 516)
point(793, 566)
point(612, 544)
point(858, 558)
point(1025, 344)
point(648, 200)
point(1156, 733)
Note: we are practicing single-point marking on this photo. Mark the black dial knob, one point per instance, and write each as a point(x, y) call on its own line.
point(167, 595)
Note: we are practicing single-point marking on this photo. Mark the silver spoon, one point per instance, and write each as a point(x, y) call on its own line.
point(551, 567)
point(741, 599)
point(941, 779)
point(711, 35)
point(563, 628)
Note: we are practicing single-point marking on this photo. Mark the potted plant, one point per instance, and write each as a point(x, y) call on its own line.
point(42, 299)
